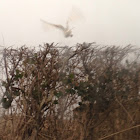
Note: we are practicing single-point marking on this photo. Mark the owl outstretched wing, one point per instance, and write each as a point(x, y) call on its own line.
point(75, 15)
point(46, 25)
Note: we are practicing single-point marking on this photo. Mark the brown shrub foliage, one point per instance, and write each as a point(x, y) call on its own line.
point(82, 93)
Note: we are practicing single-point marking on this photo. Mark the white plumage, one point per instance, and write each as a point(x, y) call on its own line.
point(67, 31)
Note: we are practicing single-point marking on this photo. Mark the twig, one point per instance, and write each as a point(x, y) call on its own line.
point(119, 132)
point(125, 110)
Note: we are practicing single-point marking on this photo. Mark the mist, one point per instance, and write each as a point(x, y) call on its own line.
point(106, 22)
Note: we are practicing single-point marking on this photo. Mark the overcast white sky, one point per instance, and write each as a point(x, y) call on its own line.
point(109, 22)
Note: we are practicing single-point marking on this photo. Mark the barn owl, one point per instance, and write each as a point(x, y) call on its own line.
point(67, 31)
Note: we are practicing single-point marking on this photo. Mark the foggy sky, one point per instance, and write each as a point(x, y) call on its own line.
point(109, 22)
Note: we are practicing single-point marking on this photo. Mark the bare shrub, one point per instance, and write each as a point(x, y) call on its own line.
point(57, 93)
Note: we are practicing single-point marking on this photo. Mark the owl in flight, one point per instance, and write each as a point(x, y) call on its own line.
point(67, 31)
